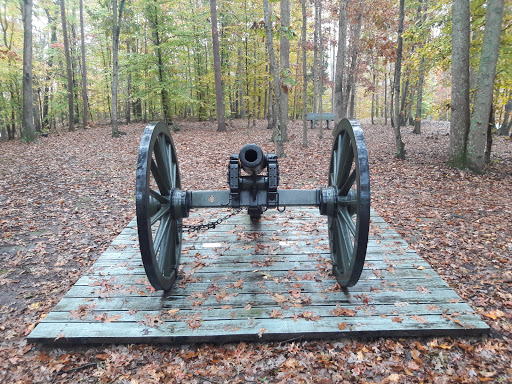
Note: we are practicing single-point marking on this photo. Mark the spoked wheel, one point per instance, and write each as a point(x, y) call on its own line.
point(159, 227)
point(349, 219)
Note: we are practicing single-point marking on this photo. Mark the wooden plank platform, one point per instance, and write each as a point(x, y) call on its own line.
point(268, 280)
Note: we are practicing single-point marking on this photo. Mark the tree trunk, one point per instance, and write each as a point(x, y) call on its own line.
point(219, 98)
point(490, 126)
point(352, 75)
point(116, 29)
point(28, 129)
point(84, 68)
point(419, 99)
point(352, 108)
point(315, 62)
point(399, 145)
point(507, 121)
point(47, 89)
point(164, 96)
point(69, 73)
point(320, 69)
point(127, 104)
point(484, 89)
point(74, 67)
point(37, 116)
point(412, 93)
point(241, 87)
point(339, 81)
point(278, 137)
point(373, 101)
point(459, 122)
point(386, 97)
point(284, 63)
point(403, 102)
point(304, 76)
point(294, 112)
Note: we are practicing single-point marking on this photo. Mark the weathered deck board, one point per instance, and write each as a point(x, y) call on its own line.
point(259, 281)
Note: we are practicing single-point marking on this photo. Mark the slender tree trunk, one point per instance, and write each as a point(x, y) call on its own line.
point(316, 76)
point(410, 99)
point(116, 29)
point(221, 123)
point(459, 122)
point(419, 99)
point(304, 76)
point(352, 75)
point(373, 101)
point(399, 145)
point(284, 63)
point(320, 69)
point(84, 68)
point(339, 82)
point(164, 96)
point(386, 97)
point(403, 102)
point(241, 87)
point(127, 107)
point(74, 68)
point(278, 137)
point(37, 116)
point(68, 66)
point(507, 121)
point(484, 89)
point(28, 129)
point(490, 126)
point(294, 112)
point(47, 89)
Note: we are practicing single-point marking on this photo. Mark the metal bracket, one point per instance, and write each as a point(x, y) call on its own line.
point(273, 181)
point(234, 181)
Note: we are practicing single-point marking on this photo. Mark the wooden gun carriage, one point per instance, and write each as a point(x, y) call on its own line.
point(253, 179)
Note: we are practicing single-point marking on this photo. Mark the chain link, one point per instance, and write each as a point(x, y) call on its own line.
point(211, 224)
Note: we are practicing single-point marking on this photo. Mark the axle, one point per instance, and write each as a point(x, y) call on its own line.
point(257, 192)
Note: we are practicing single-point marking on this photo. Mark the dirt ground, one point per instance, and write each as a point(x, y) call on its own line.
point(64, 198)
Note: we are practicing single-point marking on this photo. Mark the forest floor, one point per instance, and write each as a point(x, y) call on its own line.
point(64, 198)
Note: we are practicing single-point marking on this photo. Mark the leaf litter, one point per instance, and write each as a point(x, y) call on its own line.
point(67, 197)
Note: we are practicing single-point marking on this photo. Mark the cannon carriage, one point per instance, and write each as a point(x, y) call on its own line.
point(253, 179)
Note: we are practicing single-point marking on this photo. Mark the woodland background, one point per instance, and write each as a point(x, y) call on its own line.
point(65, 63)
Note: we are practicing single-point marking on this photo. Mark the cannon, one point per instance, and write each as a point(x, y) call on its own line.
point(253, 180)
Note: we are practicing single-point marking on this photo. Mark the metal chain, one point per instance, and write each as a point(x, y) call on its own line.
point(211, 224)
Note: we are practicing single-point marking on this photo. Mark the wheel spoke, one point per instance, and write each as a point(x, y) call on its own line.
point(339, 247)
point(158, 196)
point(160, 233)
point(346, 247)
point(172, 167)
point(348, 183)
point(345, 161)
point(173, 176)
point(337, 158)
point(161, 181)
point(163, 210)
point(160, 152)
point(347, 220)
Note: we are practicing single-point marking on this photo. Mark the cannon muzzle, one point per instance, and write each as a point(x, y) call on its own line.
point(252, 159)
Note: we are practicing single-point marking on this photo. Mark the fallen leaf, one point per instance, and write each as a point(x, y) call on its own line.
point(342, 326)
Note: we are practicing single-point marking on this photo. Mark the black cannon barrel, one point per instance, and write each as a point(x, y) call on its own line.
point(252, 159)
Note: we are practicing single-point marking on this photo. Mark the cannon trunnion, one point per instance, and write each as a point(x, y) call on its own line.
point(162, 204)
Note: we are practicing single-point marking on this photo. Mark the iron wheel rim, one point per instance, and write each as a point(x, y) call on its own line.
point(348, 227)
point(160, 232)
